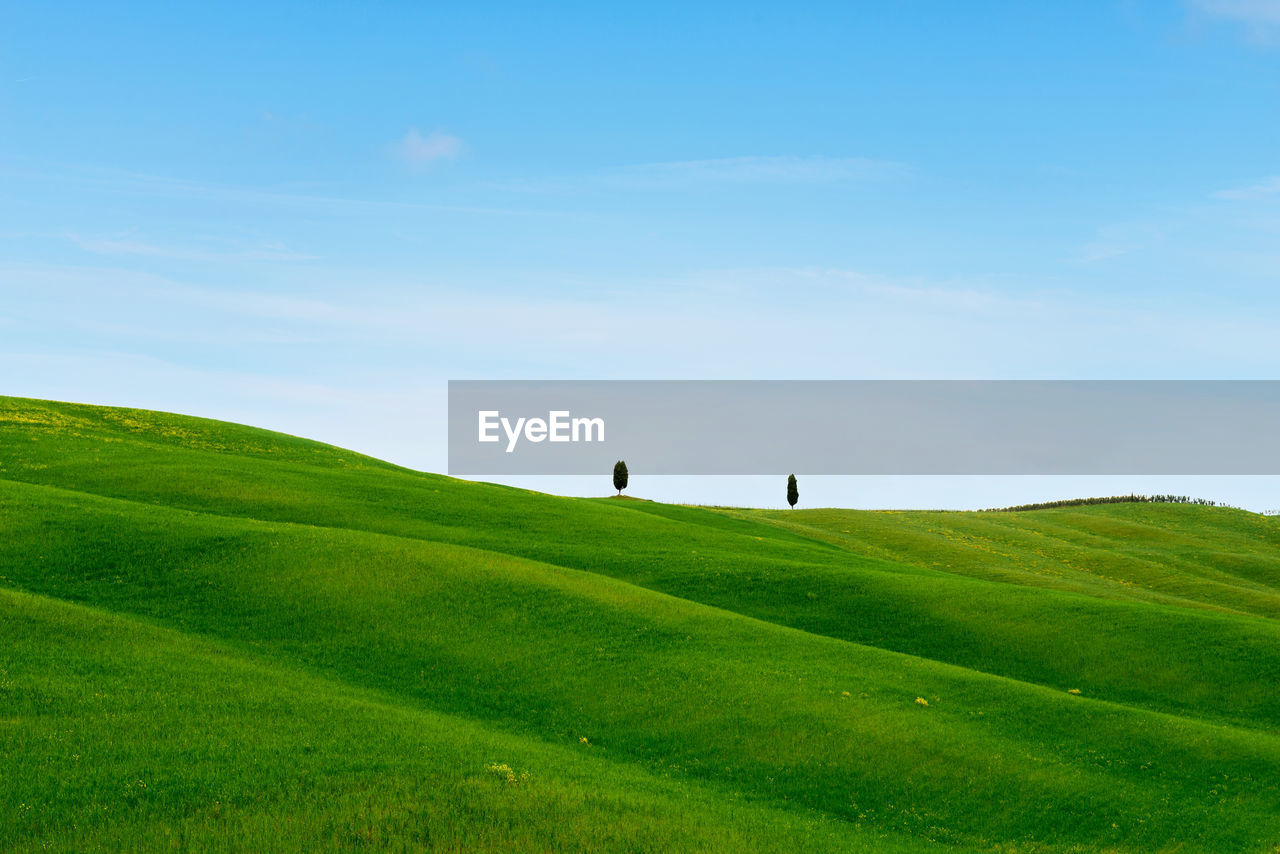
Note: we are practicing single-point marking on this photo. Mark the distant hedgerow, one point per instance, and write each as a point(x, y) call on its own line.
point(1111, 499)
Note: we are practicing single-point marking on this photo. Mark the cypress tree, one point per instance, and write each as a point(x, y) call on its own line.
point(793, 491)
point(619, 476)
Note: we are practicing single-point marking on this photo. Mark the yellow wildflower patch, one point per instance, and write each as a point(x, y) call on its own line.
point(502, 770)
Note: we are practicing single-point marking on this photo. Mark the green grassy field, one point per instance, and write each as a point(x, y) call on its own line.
point(216, 637)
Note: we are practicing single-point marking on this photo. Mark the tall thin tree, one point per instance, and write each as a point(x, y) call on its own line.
point(620, 476)
point(793, 491)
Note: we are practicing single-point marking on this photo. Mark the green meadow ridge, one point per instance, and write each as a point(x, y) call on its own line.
point(223, 638)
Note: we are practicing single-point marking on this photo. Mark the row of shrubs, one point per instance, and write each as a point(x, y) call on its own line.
point(1111, 499)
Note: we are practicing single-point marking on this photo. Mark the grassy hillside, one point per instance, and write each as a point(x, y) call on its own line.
point(211, 633)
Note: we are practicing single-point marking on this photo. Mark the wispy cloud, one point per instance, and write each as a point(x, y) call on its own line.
point(134, 246)
point(759, 170)
point(117, 181)
point(1112, 241)
point(687, 174)
point(1266, 187)
point(418, 150)
point(1261, 18)
point(842, 321)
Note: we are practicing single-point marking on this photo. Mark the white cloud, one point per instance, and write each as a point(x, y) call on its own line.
point(418, 150)
point(1266, 187)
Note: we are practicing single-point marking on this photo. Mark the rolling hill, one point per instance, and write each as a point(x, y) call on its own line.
point(218, 637)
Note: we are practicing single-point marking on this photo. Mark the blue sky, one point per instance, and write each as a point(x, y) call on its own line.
point(309, 217)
